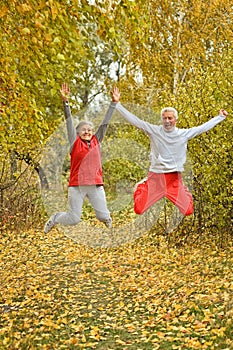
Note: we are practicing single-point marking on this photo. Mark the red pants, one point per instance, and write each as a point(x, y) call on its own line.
point(158, 186)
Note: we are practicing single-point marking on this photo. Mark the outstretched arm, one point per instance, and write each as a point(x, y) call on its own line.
point(65, 92)
point(197, 130)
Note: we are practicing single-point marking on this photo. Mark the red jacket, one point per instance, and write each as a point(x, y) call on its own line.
point(85, 167)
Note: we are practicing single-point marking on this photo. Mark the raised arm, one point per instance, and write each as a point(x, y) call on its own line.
point(105, 122)
point(65, 92)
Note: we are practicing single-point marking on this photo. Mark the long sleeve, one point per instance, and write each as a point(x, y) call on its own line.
point(69, 124)
point(197, 130)
point(134, 120)
point(104, 124)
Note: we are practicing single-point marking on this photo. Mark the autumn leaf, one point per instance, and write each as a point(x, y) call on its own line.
point(55, 291)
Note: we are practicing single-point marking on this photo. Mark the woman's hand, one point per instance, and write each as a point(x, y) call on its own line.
point(115, 94)
point(65, 91)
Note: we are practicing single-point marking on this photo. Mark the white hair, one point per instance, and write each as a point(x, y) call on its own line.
point(169, 109)
point(84, 122)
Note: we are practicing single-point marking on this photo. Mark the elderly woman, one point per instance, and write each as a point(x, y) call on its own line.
point(85, 169)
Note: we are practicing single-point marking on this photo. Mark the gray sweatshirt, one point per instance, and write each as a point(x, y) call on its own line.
point(167, 149)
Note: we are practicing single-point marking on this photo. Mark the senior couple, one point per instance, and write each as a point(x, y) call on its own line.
point(168, 147)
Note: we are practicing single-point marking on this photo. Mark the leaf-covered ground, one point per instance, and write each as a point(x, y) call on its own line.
point(58, 294)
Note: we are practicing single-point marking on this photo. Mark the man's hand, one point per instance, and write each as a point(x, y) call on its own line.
point(115, 94)
point(65, 91)
point(223, 112)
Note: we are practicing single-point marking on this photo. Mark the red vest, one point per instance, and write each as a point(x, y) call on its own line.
point(85, 164)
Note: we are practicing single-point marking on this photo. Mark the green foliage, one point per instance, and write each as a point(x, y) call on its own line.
point(121, 169)
point(125, 153)
point(211, 153)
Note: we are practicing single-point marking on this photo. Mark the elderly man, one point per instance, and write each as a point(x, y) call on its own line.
point(168, 147)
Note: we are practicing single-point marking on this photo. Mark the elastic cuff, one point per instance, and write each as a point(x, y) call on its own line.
point(113, 104)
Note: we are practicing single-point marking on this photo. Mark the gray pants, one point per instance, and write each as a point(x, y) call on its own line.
point(76, 195)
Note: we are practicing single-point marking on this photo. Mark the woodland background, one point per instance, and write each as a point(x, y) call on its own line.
point(158, 52)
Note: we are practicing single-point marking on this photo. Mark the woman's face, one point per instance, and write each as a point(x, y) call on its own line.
point(85, 132)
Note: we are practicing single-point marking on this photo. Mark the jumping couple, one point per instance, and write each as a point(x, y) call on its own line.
point(168, 147)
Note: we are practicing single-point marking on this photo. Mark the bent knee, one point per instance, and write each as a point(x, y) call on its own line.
point(140, 198)
point(138, 209)
point(190, 210)
point(75, 219)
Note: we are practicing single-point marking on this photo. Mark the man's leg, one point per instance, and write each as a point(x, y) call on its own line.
point(97, 197)
point(179, 194)
point(149, 192)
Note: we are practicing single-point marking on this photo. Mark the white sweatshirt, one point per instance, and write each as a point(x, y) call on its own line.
point(167, 148)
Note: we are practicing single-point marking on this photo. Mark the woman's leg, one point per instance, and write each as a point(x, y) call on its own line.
point(97, 197)
point(76, 196)
point(72, 217)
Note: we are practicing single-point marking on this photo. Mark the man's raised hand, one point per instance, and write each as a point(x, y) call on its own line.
point(223, 112)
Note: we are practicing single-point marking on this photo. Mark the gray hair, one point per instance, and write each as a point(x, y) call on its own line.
point(169, 109)
point(84, 122)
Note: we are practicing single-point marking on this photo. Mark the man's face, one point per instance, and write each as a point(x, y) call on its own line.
point(168, 120)
point(85, 132)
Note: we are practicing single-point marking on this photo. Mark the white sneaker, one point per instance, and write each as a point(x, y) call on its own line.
point(139, 183)
point(108, 223)
point(49, 225)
